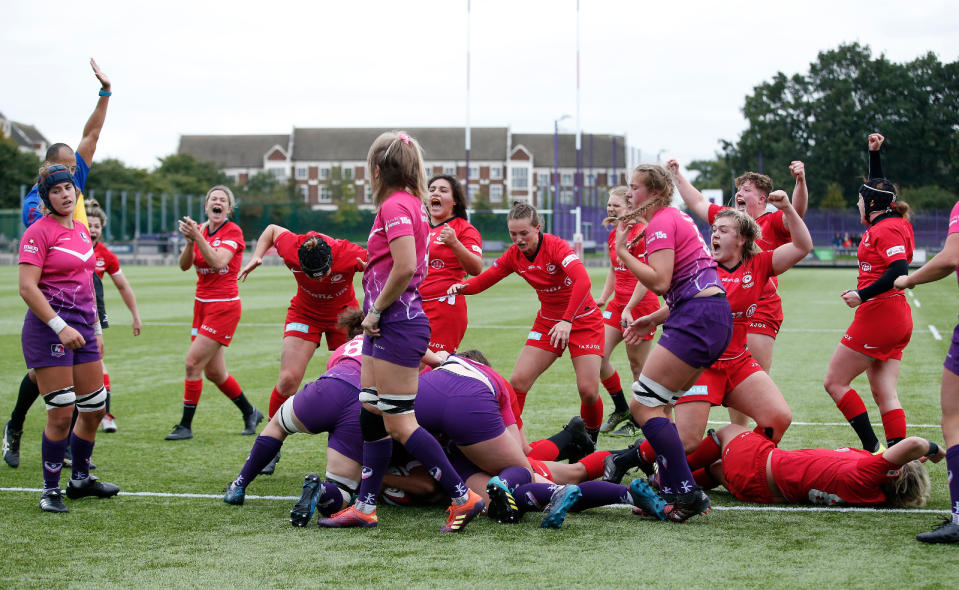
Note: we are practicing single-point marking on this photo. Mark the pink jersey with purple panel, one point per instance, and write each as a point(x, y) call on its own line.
point(693, 266)
point(65, 257)
point(400, 215)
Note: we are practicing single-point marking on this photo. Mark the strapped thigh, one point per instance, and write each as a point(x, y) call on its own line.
point(651, 394)
point(396, 403)
point(285, 414)
point(92, 402)
point(60, 398)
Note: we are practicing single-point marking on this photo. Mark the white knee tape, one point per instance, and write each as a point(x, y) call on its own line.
point(368, 395)
point(651, 394)
point(285, 414)
point(60, 398)
point(92, 402)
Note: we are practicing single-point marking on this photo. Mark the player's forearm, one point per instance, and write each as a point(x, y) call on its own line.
point(130, 300)
point(186, 256)
point(471, 263)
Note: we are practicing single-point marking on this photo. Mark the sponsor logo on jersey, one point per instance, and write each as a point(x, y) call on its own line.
point(31, 248)
point(953, 220)
point(401, 220)
point(57, 350)
point(84, 237)
point(567, 281)
point(896, 250)
point(336, 278)
point(588, 347)
point(751, 310)
point(297, 327)
point(437, 264)
point(476, 249)
point(570, 258)
point(867, 347)
point(656, 235)
point(551, 268)
point(215, 243)
point(747, 280)
point(866, 267)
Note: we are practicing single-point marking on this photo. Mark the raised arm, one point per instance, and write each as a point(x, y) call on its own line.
point(695, 201)
point(266, 241)
point(788, 254)
point(800, 191)
point(91, 131)
point(875, 163)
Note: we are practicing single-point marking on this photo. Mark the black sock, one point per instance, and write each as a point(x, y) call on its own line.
point(593, 434)
point(562, 440)
point(619, 401)
point(863, 428)
point(73, 419)
point(892, 441)
point(244, 404)
point(108, 402)
point(188, 411)
point(29, 392)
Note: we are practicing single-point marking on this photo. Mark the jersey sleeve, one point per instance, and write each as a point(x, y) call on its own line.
point(112, 263)
point(81, 173)
point(352, 252)
point(954, 219)
point(712, 211)
point(397, 219)
point(287, 248)
point(233, 239)
point(661, 234)
point(470, 237)
point(32, 209)
point(33, 247)
point(762, 264)
point(890, 243)
point(776, 228)
point(874, 469)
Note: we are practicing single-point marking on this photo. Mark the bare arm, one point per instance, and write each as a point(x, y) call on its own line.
point(800, 191)
point(403, 252)
point(941, 265)
point(471, 262)
point(912, 448)
point(218, 258)
point(28, 280)
point(266, 241)
point(787, 255)
point(126, 293)
point(186, 256)
point(639, 291)
point(608, 287)
point(695, 201)
point(91, 131)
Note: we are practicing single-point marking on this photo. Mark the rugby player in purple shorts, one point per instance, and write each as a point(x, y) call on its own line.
point(679, 266)
point(396, 336)
point(62, 338)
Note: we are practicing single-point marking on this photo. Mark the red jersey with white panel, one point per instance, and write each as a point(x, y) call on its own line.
point(744, 286)
point(832, 477)
point(322, 300)
point(889, 239)
point(554, 272)
point(444, 268)
point(107, 262)
point(219, 285)
point(625, 280)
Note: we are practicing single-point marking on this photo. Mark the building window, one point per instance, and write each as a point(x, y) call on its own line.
point(305, 191)
point(496, 193)
point(301, 172)
point(566, 179)
point(367, 193)
point(590, 180)
point(449, 170)
point(496, 172)
point(473, 193)
point(325, 172)
point(231, 178)
point(520, 178)
point(279, 173)
point(347, 173)
point(474, 171)
point(544, 179)
point(324, 194)
point(566, 197)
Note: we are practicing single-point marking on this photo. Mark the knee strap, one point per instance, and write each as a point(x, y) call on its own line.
point(60, 398)
point(92, 402)
point(347, 485)
point(369, 395)
point(285, 414)
point(651, 394)
point(396, 403)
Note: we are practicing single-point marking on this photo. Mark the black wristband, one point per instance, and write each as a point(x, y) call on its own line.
point(565, 320)
point(933, 449)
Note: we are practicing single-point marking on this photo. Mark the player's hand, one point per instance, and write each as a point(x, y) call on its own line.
point(448, 235)
point(903, 282)
point(371, 325)
point(248, 268)
point(778, 199)
point(798, 170)
point(137, 326)
point(362, 263)
point(939, 456)
point(559, 334)
point(71, 338)
point(851, 298)
point(100, 344)
point(104, 81)
point(626, 317)
point(672, 166)
point(622, 234)
point(638, 329)
point(189, 228)
point(875, 141)
point(456, 289)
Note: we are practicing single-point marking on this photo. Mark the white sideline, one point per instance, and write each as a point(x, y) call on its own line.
point(935, 332)
point(719, 508)
point(846, 424)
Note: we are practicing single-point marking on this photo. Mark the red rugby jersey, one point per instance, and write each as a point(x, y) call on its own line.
point(219, 285)
point(774, 230)
point(322, 299)
point(625, 280)
point(831, 477)
point(444, 268)
point(556, 274)
point(888, 240)
point(744, 286)
point(107, 261)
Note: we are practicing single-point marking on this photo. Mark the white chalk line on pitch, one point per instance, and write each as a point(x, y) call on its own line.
point(776, 508)
point(846, 424)
point(935, 332)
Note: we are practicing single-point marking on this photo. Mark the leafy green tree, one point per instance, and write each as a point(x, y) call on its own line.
point(926, 198)
point(112, 174)
point(185, 175)
point(17, 169)
point(834, 199)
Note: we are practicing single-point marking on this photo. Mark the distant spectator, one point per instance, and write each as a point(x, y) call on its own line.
point(837, 240)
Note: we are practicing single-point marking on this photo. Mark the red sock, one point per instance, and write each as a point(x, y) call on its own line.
point(704, 455)
point(612, 383)
point(520, 401)
point(106, 380)
point(592, 413)
point(192, 391)
point(704, 479)
point(230, 387)
point(647, 452)
point(276, 400)
point(516, 406)
point(544, 450)
point(851, 405)
point(894, 424)
point(593, 463)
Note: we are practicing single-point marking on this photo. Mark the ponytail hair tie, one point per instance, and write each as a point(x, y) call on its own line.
point(404, 138)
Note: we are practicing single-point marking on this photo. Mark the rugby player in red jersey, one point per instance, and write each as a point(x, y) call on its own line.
point(455, 250)
point(882, 326)
point(631, 299)
point(568, 316)
point(215, 249)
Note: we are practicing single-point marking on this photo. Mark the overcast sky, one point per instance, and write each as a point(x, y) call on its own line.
point(672, 76)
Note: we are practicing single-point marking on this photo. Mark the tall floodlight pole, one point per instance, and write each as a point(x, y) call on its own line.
point(467, 99)
point(578, 233)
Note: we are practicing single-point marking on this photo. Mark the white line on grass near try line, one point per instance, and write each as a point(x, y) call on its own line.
point(914, 299)
point(833, 424)
point(935, 332)
point(731, 508)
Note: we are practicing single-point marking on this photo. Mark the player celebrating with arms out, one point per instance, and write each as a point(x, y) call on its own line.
point(568, 315)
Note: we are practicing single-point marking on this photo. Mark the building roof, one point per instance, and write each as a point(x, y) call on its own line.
point(231, 151)
point(438, 143)
point(27, 135)
point(541, 146)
